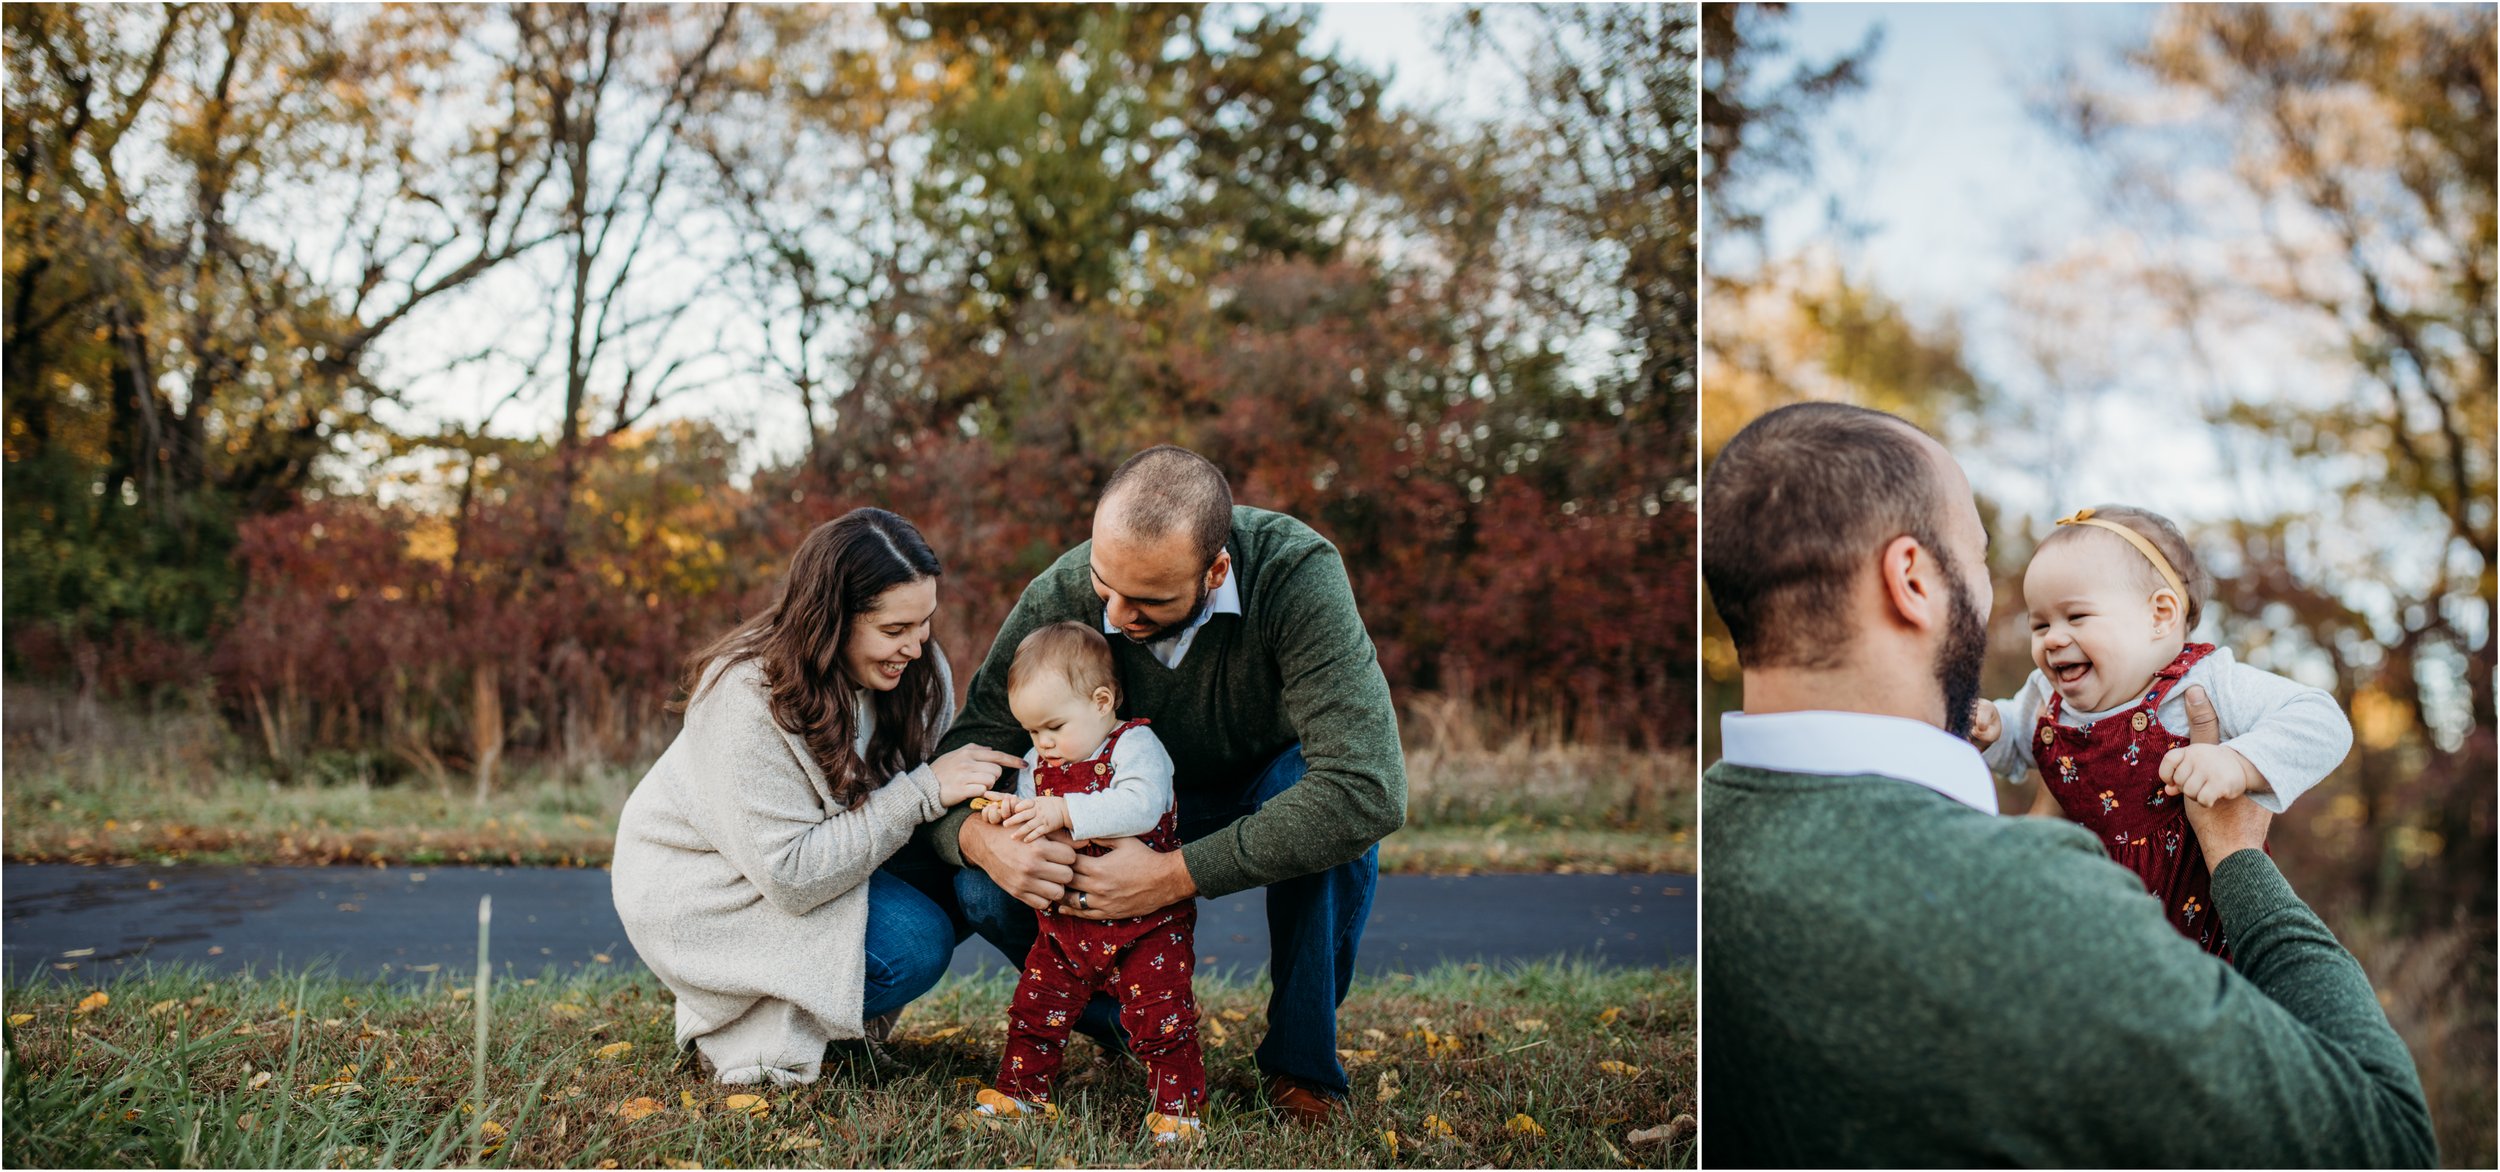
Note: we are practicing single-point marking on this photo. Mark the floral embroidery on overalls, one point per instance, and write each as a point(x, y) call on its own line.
point(1143, 961)
point(2107, 777)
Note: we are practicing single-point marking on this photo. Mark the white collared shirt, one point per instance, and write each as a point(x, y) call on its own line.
point(1226, 599)
point(1839, 743)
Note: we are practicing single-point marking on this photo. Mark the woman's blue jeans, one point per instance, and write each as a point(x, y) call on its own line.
point(1314, 926)
point(910, 941)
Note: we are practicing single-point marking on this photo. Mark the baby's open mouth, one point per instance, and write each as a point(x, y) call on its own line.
point(2068, 673)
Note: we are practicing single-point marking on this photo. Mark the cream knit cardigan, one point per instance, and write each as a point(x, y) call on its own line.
point(745, 887)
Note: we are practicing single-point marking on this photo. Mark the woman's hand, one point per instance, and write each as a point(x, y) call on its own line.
point(969, 772)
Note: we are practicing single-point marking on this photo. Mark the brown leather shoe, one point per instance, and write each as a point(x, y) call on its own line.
point(1299, 1103)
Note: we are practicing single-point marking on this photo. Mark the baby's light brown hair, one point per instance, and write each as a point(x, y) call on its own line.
point(1077, 652)
point(2164, 536)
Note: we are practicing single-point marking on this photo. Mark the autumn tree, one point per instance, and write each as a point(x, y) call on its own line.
point(181, 347)
point(2336, 166)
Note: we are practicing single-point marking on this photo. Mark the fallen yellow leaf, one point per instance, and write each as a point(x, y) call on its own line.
point(258, 1081)
point(163, 1007)
point(566, 1009)
point(1435, 1129)
point(94, 1001)
point(1376, 1037)
point(800, 1143)
point(1522, 1125)
point(1528, 1025)
point(250, 1120)
point(756, 1105)
point(19, 1019)
point(948, 1032)
point(1216, 1036)
point(685, 1099)
point(1235, 1015)
point(495, 1135)
point(616, 1049)
point(1625, 1069)
point(1608, 1017)
point(1388, 1085)
point(605, 1164)
point(682, 1165)
point(1392, 1137)
point(636, 1108)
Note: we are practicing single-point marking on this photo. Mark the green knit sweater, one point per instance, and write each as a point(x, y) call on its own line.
point(1295, 666)
point(1892, 978)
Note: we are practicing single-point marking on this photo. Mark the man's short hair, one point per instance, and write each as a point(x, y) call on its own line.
point(1076, 652)
point(1167, 488)
point(1795, 506)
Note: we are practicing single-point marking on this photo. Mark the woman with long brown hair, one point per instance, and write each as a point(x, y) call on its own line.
point(748, 861)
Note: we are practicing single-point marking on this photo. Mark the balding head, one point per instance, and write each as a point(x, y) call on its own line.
point(1800, 504)
point(1166, 491)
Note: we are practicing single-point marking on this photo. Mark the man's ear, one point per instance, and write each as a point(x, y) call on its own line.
point(1222, 568)
point(1913, 584)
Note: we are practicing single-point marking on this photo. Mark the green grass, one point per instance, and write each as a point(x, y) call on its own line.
point(165, 1074)
point(108, 785)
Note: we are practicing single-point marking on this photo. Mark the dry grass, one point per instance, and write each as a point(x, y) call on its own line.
point(100, 784)
point(369, 1075)
point(2438, 990)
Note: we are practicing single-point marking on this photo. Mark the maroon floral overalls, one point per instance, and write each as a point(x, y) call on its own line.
point(2107, 775)
point(1144, 962)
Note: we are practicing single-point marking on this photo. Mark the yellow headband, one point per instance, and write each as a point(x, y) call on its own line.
point(2085, 517)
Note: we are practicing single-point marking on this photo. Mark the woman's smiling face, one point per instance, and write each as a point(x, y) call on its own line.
point(885, 638)
point(2095, 632)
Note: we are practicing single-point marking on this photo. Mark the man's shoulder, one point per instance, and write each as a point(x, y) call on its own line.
point(1880, 814)
point(1265, 535)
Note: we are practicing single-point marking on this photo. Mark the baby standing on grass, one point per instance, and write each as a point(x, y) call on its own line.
point(2112, 594)
point(1095, 776)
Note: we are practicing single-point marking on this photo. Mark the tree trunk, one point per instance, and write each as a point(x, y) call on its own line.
point(486, 725)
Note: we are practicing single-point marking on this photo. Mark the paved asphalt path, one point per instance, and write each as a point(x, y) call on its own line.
point(93, 923)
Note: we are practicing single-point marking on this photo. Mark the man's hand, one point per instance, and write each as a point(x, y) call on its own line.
point(1035, 872)
point(2233, 825)
point(1131, 880)
point(1986, 725)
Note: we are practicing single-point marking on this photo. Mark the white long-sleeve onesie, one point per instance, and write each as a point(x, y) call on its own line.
point(1137, 797)
point(2293, 733)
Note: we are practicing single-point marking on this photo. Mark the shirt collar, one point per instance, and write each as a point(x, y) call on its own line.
point(1837, 743)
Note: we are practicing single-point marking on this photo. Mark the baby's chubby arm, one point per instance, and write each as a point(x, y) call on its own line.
point(2008, 750)
point(2283, 737)
point(1139, 792)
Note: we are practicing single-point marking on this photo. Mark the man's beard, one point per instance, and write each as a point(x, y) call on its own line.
point(1959, 658)
point(1173, 630)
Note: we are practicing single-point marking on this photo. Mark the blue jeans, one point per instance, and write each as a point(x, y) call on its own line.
point(1314, 926)
point(910, 940)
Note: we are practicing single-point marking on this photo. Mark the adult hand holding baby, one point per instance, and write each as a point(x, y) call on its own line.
point(1035, 873)
point(2230, 825)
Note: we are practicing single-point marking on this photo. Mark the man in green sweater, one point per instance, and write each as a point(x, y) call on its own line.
point(1894, 975)
point(1240, 640)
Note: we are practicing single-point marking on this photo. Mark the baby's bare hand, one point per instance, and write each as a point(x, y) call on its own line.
point(2207, 774)
point(1985, 725)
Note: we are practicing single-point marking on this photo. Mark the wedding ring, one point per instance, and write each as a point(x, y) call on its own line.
point(1080, 902)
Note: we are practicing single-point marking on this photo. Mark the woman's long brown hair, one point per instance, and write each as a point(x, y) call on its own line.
point(836, 576)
